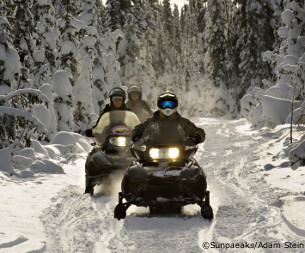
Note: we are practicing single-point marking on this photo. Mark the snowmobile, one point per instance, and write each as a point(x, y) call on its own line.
point(165, 175)
point(112, 143)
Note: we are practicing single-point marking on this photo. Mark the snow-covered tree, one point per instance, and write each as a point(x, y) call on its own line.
point(273, 106)
point(116, 13)
point(254, 25)
point(23, 42)
point(82, 91)
point(138, 15)
point(24, 116)
point(215, 57)
point(128, 52)
point(286, 61)
point(68, 46)
point(9, 59)
point(167, 17)
point(46, 37)
point(108, 76)
point(63, 100)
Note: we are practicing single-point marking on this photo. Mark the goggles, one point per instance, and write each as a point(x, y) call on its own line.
point(167, 104)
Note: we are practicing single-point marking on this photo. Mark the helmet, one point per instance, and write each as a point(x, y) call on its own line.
point(167, 103)
point(134, 88)
point(117, 92)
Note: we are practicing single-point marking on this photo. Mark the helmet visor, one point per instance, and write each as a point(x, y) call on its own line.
point(167, 104)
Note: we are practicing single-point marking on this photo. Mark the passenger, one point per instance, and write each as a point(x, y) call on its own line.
point(167, 115)
point(117, 102)
point(137, 104)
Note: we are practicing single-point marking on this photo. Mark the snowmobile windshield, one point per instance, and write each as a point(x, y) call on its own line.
point(164, 133)
point(114, 123)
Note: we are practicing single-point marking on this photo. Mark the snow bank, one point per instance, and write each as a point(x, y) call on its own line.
point(276, 110)
point(77, 141)
point(271, 107)
point(40, 158)
point(297, 156)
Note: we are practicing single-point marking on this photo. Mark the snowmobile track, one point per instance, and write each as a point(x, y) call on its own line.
point(244, 206)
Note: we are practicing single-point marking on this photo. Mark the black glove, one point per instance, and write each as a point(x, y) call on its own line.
point(136, 137)
point(196, 138)
point(89, 133)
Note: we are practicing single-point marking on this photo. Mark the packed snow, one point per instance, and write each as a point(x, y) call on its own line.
point(255, 173)
point(258, 200)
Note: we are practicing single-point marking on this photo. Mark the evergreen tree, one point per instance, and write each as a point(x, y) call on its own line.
point(129, 51)
point(255, 24)
point(116, 12)
point(109, 76)
point(289, 60)
point(113, 14)
point(138, 14)
point(201, 9)
point(167, 17)
point(176, 30)
point(215, 62)
point(23, 42)
point(46, 37)
point(215, 37)
point(68, 54)
point(63, 100)
point(9, 59)
point(83, 108)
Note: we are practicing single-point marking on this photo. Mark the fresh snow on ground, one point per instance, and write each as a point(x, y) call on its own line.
point(255, 195)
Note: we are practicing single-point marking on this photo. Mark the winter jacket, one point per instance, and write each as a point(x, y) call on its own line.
point(168, 128)
point(140, 108)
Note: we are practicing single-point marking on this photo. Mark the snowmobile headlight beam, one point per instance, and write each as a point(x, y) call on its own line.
point(120, 141)
point(173, 153)
point(164, 153)
point(154, 153)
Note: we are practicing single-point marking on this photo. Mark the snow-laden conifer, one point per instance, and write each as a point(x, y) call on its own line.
point(46, 35)
point(63, 100)
point(23, 42)
point(9, 59)
point(215, 57)
point(82, 103)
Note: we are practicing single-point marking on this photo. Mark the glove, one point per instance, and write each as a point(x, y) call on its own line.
point(136, 137)
point(196, 138)
point(89, 133)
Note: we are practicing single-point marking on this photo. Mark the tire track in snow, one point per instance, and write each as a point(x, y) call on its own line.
point(240, 196)
point(72, 223)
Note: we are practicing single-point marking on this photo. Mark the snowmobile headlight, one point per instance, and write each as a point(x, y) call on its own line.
point(154, 153)
point(173, 153)
point(164, 153)
point(120, 141)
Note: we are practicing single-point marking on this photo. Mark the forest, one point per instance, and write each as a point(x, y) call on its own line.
point(60, 58)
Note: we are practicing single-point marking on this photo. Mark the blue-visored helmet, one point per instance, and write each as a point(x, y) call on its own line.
point(117, 91)
point(167, 103)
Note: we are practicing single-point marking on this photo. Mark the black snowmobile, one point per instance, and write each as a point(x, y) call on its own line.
point(112, 143)
point(165, 175)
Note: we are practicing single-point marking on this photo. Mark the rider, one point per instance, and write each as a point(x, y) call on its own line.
point(137, 104)
point(167, 114)
point(117, 102)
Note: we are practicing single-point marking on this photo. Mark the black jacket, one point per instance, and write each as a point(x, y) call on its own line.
point(190, 129)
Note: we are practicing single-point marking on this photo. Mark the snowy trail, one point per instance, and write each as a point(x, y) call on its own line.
point(246, 208)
